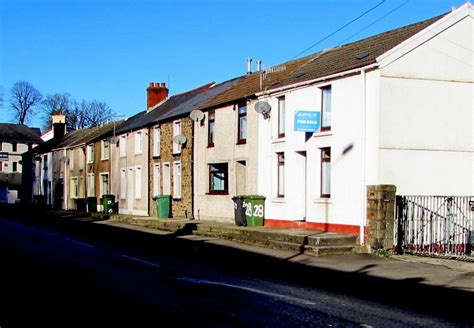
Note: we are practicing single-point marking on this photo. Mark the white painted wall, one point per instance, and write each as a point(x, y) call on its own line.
point(427, 116)
point(347, 192)
point(221, 207)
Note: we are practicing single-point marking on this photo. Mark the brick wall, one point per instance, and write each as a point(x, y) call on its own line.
point(180, 207)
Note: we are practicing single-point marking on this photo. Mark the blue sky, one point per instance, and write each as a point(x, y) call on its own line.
point(109, 50)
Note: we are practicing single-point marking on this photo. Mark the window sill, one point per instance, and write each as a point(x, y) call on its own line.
point(279, 140)
point(156, 156)
point(104, 159)
point(241, 142)
point(279, 200)
point(177, 154)
point(322, 134)
point(177, 198)
point(217, 193)
point(140, 153)
point(323, 201)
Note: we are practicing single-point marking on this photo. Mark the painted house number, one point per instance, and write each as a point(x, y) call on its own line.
point(257, 209)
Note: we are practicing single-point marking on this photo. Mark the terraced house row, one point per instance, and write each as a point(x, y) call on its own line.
point(309, 135)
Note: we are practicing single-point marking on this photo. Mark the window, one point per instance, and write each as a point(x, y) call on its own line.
point(138, 142)
point(325, 172)
point(81, 158)
point(211, 123)
point(281, 117)
point(138, 182)
point(90, 185)
point(166, 179)
point(14, 147)
point(74, 187)
point(123, 183)
point(15, 166)
point(71, 159)
point(176, 132)
point(105, 152)
point(90, 153)
point(156, 180)
point(218, 183)
point(123, 146)
point(156, 141)
point(104, 184)
point(242, 124)
point(281, 175)
point(177, 181)
point(326, 109)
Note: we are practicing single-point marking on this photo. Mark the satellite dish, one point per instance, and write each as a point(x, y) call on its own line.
point(263, 107)
point(196, 115)
point(179, 139)
point(114, 139)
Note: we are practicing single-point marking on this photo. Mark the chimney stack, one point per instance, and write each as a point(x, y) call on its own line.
point(59, 125)
point(249, 66)
point(156, 93)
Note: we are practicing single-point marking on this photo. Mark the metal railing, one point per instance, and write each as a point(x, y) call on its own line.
point(441, 225)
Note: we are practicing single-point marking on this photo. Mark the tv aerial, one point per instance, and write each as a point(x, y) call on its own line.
point(179, 139)
point(196, 115)
point(264, 108)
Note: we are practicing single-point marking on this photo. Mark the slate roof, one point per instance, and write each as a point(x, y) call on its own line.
point(176, 106)
point(20, 133)
point(324, 63)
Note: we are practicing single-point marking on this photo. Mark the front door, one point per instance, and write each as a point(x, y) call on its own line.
point(130, 189)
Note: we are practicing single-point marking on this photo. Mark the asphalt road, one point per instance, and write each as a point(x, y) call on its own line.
point(80, 274)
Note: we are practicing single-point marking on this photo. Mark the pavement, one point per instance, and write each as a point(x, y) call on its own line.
point(439, 272)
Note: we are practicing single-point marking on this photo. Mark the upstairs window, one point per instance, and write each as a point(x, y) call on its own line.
point(218, 179)
point(123, 146)
point(326, 109)
point(138, 142)
point(176, 132)
point(90, 153)
point(325, 172)
point(211, 122)
point(156, 141)
point(281, 117)
point(242, 124)
point(105, 151)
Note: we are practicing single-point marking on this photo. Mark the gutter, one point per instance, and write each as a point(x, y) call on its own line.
point(319, 79)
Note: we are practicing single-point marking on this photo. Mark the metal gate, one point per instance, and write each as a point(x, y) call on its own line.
point(441, 225)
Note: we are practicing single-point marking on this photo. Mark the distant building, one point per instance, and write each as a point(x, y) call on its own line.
point(15, 139)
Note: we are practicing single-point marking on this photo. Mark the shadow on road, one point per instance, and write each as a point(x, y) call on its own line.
point(406, 294)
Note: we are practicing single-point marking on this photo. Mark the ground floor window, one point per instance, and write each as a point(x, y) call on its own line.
point(325, 172)
point(123, 183)
point(138, 182)
point(218, 179)
point(90, 185)
point(74, 187)
point(156, 180)
point(104, 184)
point(177, 180)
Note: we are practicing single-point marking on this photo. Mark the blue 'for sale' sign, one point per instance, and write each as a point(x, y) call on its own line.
point(307, 121)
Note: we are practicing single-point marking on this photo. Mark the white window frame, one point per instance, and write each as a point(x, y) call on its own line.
point(90, 185)
point(156, 141)
point(123, 146)
point(101, 186)
point(156, 179)
point(138, 142)
point(74, 193)
point(123, 183)
point(138, 182)
point(281, 128)
point(102, 150)
point(71, 159)
point(177, 180)
point(90, 153)
point(166, 178)
point(81, 158)
point(176, 131)
point(326, 108)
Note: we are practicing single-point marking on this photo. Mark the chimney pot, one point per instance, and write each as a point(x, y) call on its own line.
point(151, 84)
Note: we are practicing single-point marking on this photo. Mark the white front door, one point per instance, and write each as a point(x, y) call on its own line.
point(130, 193)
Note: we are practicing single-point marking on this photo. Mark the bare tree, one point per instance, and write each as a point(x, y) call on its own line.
point(24, 99)
point(59, 103)
point(98, 113)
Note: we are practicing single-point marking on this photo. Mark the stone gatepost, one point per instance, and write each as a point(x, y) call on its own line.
point(380, 216)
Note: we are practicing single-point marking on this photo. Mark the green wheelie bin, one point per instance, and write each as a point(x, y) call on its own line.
point(108, 202)
point(254, 210)
point(163, 206)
